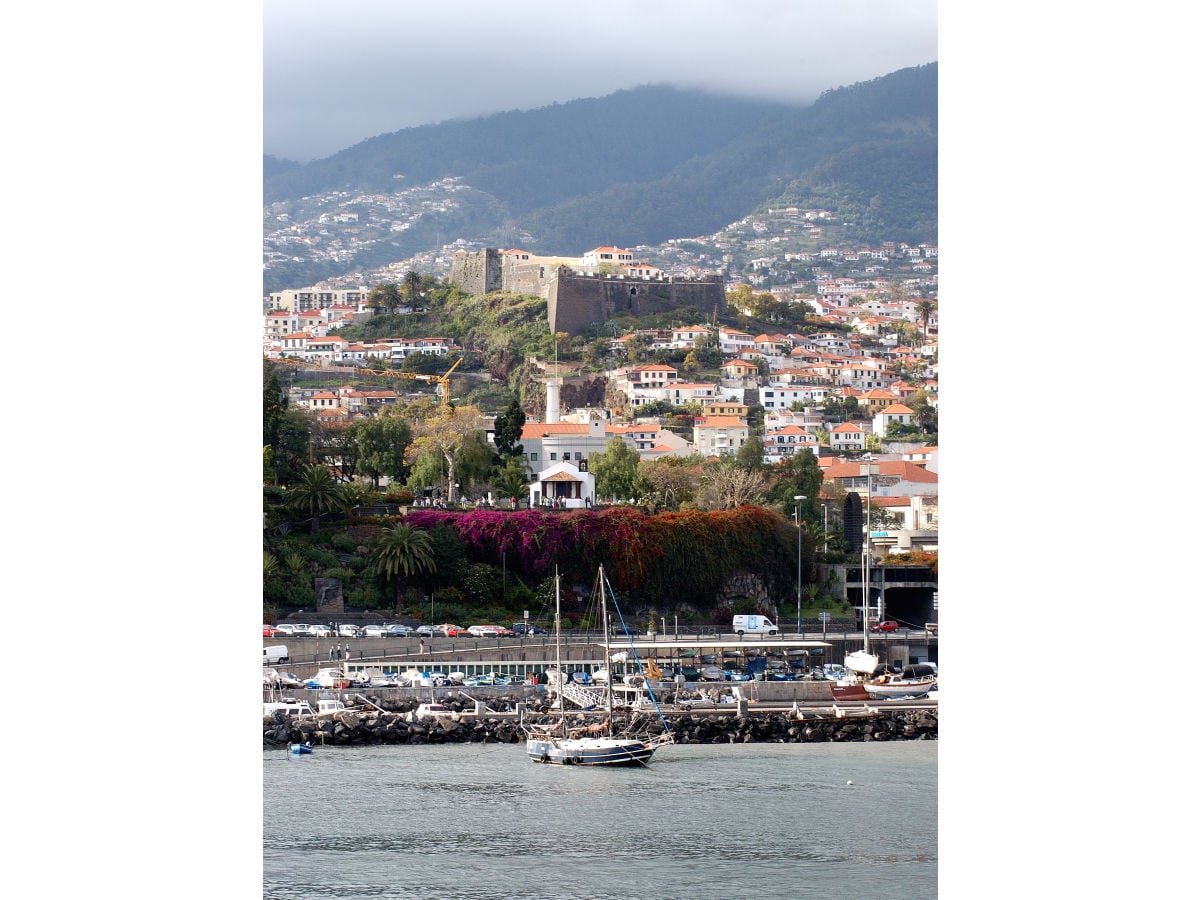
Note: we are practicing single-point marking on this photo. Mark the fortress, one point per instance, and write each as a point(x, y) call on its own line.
point(578, 292)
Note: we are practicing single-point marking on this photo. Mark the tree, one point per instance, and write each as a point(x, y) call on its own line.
point(750, 454)
point(670, 484)
point(726, 485)
point(511, 480)
point(691, 363)
point(798, 474)
point(926, 308)
point(616, 471)
point(412, 287)
point(315, 493)
point(508, 430)
point(382, 441)
point(333, 445)
point(443, 433)
point(385, 296)
point(400, 551)
point(290, 452)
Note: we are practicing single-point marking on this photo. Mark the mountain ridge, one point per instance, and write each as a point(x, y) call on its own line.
point(654, 163)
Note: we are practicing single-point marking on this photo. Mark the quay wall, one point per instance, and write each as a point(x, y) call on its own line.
point(393, 724)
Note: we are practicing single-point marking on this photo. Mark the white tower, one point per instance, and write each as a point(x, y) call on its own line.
point(552, 388)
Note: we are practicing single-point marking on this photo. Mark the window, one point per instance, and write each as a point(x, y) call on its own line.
point(553, 457)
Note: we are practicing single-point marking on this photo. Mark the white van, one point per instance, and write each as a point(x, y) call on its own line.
point(275, 655)
point(753, 625)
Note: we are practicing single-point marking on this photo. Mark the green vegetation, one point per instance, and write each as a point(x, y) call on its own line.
point(581, 174)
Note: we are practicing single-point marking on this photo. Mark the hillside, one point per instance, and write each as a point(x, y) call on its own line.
point(641, 166)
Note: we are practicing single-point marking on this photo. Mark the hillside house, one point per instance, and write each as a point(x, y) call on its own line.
point(719, 435)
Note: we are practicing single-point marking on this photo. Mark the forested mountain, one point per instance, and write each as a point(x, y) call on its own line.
point(646, 165)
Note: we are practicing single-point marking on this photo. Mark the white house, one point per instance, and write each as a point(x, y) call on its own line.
point(563, 486)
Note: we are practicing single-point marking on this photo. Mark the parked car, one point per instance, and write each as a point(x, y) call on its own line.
point(399, 630)
point(270, 631)
point(520, 628)
point(486, 631)
point(451, 630)
point(347, 631)
point(373, 631)
point(886, 625)
point(428, 631)
point(318, 631)
point(285, 628)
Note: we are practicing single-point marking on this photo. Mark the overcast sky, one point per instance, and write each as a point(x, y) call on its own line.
point(335, 73)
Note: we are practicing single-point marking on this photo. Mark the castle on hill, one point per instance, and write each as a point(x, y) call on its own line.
point(579, 291)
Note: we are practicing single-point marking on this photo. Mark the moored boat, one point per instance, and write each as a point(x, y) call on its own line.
point(592, 745)
point(912, 682)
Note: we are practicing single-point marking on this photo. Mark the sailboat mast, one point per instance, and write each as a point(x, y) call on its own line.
point(562, 706)
point(608, 663)
point(867, 562)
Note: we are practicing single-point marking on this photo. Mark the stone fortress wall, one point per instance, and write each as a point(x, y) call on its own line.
point(577, 298)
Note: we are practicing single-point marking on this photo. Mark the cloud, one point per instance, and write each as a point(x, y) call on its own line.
point(337, 73)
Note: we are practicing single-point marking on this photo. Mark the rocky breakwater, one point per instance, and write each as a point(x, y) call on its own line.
point(462, 724)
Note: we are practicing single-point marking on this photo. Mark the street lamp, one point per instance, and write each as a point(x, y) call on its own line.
point(799, 559)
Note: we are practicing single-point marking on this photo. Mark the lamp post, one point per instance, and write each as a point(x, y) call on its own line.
point(799, 559)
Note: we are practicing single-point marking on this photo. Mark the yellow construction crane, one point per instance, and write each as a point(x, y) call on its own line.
point(442, 381)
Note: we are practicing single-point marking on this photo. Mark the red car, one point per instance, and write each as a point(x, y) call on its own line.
point(270, 631)
point(886, 625)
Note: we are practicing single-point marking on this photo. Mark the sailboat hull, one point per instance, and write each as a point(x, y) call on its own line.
point(590, 751)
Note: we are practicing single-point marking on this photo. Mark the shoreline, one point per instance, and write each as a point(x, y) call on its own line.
point(475, 723)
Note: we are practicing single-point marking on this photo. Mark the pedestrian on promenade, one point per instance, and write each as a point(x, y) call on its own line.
point(331, 651)
point(422, 645)
point(347, 649)
point(339, 650)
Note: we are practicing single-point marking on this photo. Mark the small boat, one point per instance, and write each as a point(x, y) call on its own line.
point(297, 749)
point(912, 682)
point(287, 705)
point(432, 710)
point(596, 744)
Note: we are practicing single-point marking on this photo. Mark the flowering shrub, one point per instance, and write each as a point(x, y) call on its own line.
point(685, 555)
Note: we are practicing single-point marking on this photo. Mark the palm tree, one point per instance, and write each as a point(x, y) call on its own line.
point(412, 286)
point(400, 551)
point(315, 493)
point(926, 308)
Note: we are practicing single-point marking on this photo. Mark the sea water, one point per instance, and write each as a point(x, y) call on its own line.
point(482, 821)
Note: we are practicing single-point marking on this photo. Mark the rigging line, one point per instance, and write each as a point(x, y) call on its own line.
point(636, 657)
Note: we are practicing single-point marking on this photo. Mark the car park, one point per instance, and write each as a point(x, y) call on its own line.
point(886, 625)
point(373, 631)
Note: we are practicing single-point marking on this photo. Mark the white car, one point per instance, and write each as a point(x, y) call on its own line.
point(287, 628)
point(374, 631)
point(486, 630)
point(317, 631)
point(347, 631)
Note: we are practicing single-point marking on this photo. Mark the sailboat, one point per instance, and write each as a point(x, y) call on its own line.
point(863, 661)
point(594, 745)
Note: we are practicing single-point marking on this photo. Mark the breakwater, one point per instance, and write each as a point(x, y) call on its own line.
point(394, 722)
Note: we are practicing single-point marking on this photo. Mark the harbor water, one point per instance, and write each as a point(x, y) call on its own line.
point(481, 821)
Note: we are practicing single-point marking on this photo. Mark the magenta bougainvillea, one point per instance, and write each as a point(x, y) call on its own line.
point(689, 553)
